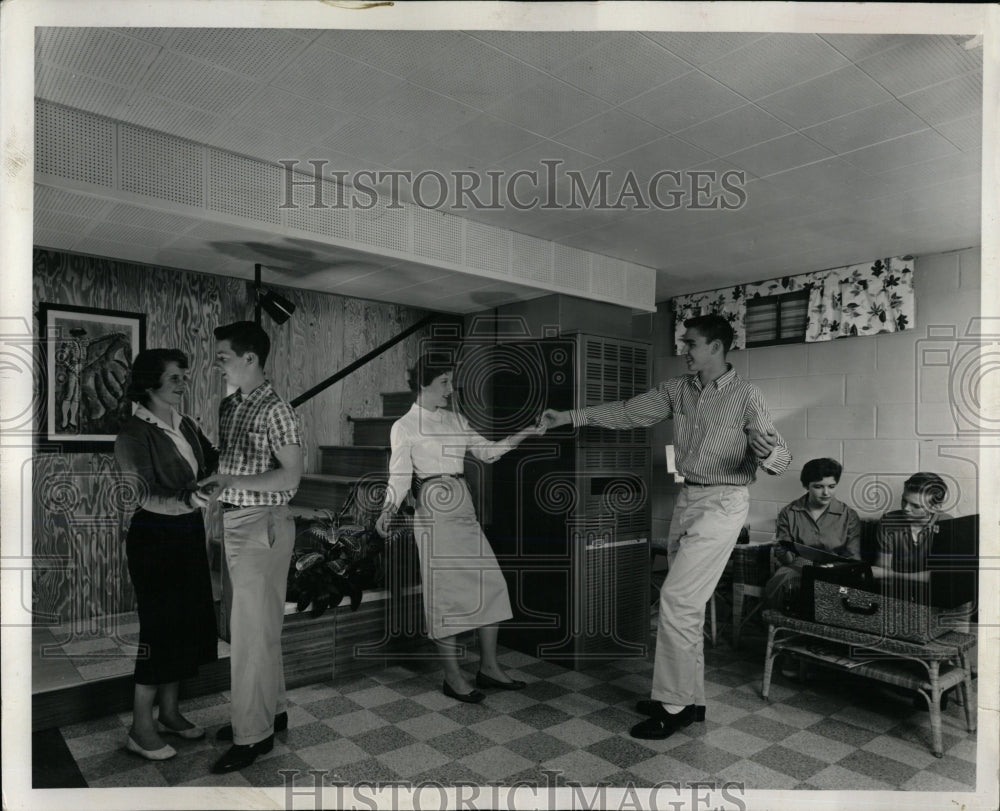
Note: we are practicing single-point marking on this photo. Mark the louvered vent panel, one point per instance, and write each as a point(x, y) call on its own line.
point(436, 235)
point(616, 611)
point(157, 165)
point(531, 258)
point(74, 145)
point(571, 268)
point(384, 227)
point(244, 187)
point(330, 219)
point(487, 247)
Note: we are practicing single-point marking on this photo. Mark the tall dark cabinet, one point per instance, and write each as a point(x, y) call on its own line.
point(570, 516)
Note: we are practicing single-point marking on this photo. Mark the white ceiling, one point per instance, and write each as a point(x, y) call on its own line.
point(854, 146)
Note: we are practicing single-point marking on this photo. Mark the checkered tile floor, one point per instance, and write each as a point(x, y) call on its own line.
point(835, 731)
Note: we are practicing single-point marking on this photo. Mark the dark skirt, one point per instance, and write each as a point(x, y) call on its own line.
point(173, 589)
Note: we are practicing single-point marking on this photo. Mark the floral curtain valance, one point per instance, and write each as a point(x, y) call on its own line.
point(854, 300)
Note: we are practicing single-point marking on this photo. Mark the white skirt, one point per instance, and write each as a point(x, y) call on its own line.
point(463, 587)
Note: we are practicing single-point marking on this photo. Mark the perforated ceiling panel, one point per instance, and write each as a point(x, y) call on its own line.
point(74, 145)
point(487, 247)
point(436, 235)
point(531, 258)
point(245, 187)
point(326, 218)
point(608, 276)
point(571, 268)
point(158, 165)
point(383, 227)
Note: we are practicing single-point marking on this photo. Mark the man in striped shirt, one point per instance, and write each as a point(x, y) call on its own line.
point(260, 464)
point(722, 434)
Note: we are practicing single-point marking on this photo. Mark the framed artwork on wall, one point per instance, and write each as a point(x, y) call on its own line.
point(86, 361)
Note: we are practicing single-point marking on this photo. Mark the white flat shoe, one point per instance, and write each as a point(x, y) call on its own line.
point(191, 733)
point(165, 752)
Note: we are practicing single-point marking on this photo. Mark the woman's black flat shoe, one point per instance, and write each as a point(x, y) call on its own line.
point(483, 680)
point(472, 697)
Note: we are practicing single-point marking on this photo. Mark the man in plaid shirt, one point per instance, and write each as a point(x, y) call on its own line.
point(260, 464)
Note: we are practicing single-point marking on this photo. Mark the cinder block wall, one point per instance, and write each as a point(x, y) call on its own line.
point(883, 406)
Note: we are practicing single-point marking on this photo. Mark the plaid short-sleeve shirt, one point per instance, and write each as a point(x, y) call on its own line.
point(251, 428)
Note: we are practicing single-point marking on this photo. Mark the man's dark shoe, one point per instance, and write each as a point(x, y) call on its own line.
point(280, 725)
point(663, 724)
point(239, 756)
point(648, 706)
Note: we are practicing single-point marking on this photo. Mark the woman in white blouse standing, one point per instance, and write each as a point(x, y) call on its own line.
point(463, 587)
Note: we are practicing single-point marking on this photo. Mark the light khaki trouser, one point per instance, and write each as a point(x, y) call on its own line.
point(258, 543)
point(703, 531)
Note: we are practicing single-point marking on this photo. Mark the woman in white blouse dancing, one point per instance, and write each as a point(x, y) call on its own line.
point(463, 587)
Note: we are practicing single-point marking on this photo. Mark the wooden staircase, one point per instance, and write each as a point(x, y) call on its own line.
point(367, 460)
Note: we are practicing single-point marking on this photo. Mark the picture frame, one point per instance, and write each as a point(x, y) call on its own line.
point(87, 356)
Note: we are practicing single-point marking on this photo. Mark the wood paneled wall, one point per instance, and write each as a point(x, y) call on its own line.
point(80, 572)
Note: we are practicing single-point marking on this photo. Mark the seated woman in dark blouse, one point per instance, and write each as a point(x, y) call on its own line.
point(817, 520)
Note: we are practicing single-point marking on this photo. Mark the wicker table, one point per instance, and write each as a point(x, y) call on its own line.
point(930, 668)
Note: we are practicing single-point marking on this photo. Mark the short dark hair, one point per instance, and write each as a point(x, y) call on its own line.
point(816, 470)
point(245, 336)
point(429, 366)
point(927, 484)
point(148, 368)
point(712, 328)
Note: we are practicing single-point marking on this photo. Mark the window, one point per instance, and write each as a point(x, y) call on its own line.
point(777, 319)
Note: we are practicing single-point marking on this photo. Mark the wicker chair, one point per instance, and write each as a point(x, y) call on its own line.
point(751, 566)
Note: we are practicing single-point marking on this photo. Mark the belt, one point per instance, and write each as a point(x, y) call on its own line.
point(699, 484)
point(442, 476)
point(226, 507)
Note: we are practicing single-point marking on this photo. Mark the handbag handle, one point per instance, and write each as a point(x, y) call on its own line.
point(865, 610)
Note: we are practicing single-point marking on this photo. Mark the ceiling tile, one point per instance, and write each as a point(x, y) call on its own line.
point(79, 91)
point(774, 63)
point(420, 111)
point(129, 234)
point(488, 139)
point(955, 167)
point(251, 140)
point(609, 134)
point(159, 36)
point(396, 52)
point(473, 74)
point(684, 102)
point(96, 52)
point(167, 116)
point(377, 141)
point(196, 84)
point(833, 176)
point(699, 48)
point(882, 122)
point(859, 46)
point(956, 98)
point(248, 51)
point(665, 154)
point(546, 50)
point(129, 214)
point(917, 147)
point(838, 93)
point(530, 159)
point(921, 62)
point(548, 107)
point(735, 130)
point(965, 133)
point(625, 66)
point(334, 79)
point(276, 109)
point(779, 155)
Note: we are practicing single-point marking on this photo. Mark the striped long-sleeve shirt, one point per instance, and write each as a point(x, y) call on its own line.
point(712, 446)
